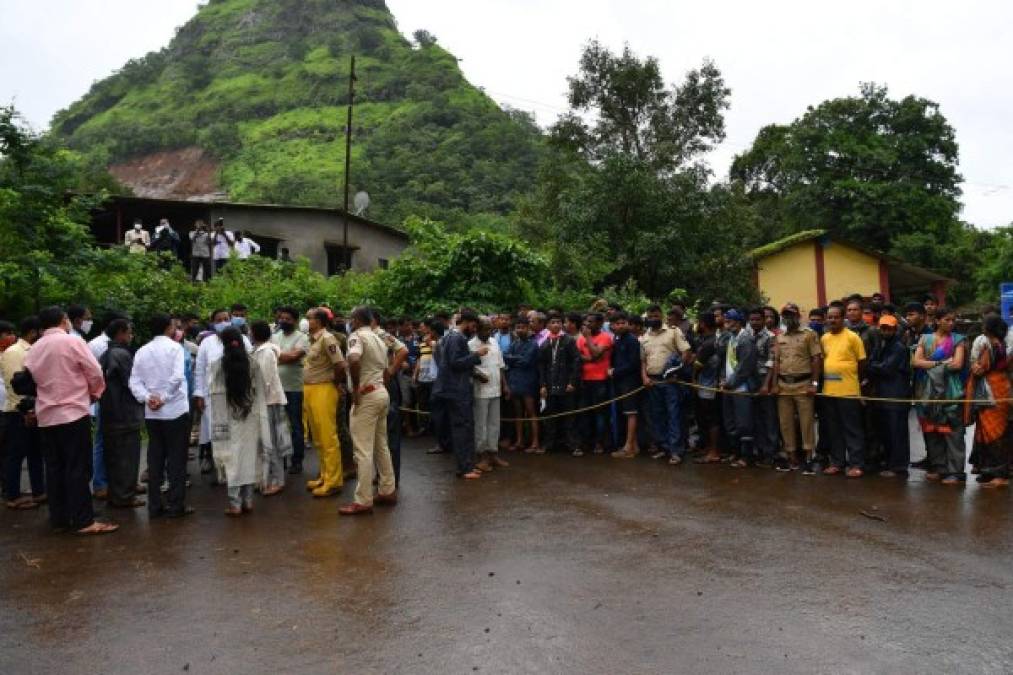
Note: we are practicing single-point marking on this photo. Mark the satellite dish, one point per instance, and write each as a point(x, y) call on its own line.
point(361, 203)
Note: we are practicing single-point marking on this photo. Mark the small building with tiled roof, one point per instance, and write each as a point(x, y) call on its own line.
point(814, 267)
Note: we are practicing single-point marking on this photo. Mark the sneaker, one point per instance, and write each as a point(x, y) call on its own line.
point(781, 464)
point(764, 463)
point(578, 453)
point(658, 454)
point(809, 469)
point(598, 450)
point(295, 469)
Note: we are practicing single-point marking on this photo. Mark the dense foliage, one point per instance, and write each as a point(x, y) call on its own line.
point(262, 85)
point(627, 197)
point(871, 169)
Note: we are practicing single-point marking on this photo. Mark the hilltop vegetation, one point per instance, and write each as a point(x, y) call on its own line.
point(262, 86)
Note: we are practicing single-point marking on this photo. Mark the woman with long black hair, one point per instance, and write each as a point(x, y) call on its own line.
point(238, 406)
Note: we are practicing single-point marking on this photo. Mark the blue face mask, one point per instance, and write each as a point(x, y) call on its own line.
point(816, 326)
point(239, 321)
point(221, 325)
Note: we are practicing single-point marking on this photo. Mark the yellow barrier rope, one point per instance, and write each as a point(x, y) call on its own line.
point(726, 392)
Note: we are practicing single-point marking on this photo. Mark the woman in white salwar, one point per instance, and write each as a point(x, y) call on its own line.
point(275, 433)
point(237, 411)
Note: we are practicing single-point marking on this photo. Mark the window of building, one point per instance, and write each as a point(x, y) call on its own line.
point(383, 263)
point(339, 259)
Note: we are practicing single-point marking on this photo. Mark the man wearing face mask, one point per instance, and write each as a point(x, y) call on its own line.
point(137, 240)
point(166, 239)
point(294, 344)
point(239, 320)
point(81, 321)
point(210, 350)
point(795, 379)
point(738, 380)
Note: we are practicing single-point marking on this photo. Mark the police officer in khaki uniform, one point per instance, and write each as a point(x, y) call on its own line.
point(323, 371)
point(367, 362)
point(795, 378)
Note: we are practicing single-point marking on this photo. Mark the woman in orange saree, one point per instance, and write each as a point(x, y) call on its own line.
point(991, 433)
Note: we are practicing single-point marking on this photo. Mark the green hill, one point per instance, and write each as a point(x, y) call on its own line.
point(256, 89)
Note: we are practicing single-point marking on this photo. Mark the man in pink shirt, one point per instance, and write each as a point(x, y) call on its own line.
point(68, 380)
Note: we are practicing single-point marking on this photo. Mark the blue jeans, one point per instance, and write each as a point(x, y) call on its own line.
point(99, 480)
point(665, 415)
point(294, 410)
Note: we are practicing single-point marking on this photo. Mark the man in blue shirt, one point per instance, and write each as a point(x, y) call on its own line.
point(625, 374)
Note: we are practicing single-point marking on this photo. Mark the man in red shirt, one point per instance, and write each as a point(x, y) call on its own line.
point(595, 348)
point(68, 380)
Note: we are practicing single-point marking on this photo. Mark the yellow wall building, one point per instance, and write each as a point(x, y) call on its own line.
point(813, 268)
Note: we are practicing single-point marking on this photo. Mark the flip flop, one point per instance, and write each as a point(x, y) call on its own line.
point(707, 460)
point(97, 528)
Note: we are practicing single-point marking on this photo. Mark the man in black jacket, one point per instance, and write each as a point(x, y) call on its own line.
point(453, 388)
point(890, 374)
point(738, 379)
point(559, 368)
point(121, 419)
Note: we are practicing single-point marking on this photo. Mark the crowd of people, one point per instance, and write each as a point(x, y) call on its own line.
point(210, 248)
point(829, 392)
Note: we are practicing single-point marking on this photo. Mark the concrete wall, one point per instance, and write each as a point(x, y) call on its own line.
point(789, 276)
point(850, 271)
point(306, 233)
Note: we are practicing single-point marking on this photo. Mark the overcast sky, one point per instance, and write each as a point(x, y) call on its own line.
point(778, 57)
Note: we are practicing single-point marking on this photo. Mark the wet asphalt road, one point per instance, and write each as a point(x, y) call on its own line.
point(555, 565)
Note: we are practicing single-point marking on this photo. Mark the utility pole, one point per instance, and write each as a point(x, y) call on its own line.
point(348, 162)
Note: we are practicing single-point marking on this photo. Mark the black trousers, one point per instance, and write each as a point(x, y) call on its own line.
point(394, 427)
point(458, 415)
point(21, 442)
point(558, 432)
point(893, 430)
point(123, 459)
point(440, 421)
point(847, 431)
point(198, 264)
point(67, 449)
point(167, 449)
point(737, 417)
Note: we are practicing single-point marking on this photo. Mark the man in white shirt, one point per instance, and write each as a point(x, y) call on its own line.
point(245, 247)
point(223, 241)
point(210, 349)
point(489, 386)
point(158, 380)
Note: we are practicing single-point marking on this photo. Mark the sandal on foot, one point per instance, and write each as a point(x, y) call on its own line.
point(97, 528)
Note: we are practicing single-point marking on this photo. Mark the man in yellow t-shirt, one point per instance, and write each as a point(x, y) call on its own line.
point(844, 361)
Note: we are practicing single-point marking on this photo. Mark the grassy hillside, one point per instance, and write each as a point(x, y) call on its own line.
point(262, 85)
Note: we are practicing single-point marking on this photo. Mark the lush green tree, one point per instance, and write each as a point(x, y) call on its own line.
point(442, 270)
point(635, 115)
point(625, 196)
point(868, 168)
point(45, 244)
point(996, 266)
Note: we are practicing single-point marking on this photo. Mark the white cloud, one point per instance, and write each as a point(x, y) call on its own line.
point(778, 57)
